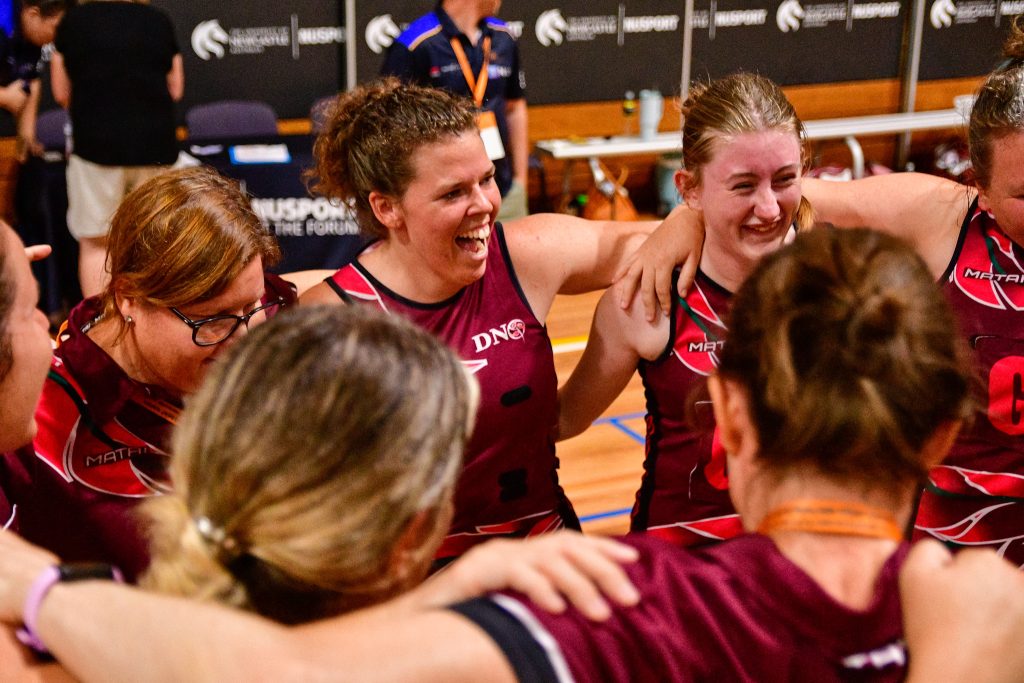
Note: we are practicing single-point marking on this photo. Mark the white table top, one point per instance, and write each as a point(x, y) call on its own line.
point(822, 129)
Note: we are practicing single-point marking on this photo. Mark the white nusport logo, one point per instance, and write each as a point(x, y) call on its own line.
point(550, 27)
point(789, 15)
point(942, 13)
point(209, 39)
point(381, 32)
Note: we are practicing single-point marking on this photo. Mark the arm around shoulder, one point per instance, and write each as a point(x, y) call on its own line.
point(618, 340)
point(922, 209)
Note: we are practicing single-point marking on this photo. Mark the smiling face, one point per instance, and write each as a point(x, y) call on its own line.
point(441, 226)
point(1004, 194)
point(749, 192)
point(26, 329)
point(163, 351)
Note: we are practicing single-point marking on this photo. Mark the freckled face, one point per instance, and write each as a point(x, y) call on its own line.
point(164, 343)
point(447, 212)
point(749, 193)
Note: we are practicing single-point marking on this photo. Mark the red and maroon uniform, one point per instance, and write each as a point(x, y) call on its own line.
point(509, 482)
point(98, 452)
point(735, 611)
point(684, 496)
point(977, 496)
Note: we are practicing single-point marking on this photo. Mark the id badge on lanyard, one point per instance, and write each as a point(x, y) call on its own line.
point(486, 121)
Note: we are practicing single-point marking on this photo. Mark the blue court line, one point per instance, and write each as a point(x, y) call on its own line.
point(617, 423)
point(605, 515)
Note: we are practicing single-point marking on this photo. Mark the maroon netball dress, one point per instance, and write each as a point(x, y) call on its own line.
point(684, 496)
point(509, 482)
point(976, 497)
point(735, 611)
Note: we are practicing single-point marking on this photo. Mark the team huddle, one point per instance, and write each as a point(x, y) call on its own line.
point(833, 371)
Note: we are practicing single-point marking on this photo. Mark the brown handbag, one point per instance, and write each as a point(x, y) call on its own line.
point(608, 200)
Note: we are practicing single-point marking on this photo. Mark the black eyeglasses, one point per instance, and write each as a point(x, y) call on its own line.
point(217, 328)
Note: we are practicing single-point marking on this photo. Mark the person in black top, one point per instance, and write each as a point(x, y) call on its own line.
point(118, 67)
point(20, 60)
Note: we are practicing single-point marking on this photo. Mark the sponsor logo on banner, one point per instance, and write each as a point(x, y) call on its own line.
point(946, 13)
point(942, 13)
point(381, 32)
point(209, 38)
point(729, 19)
point(789, 15)
point(550, 28)
point(553, 28)
point(792, 15)
point(305, 216)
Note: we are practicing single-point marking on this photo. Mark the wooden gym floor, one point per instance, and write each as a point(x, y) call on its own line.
point(601, 467)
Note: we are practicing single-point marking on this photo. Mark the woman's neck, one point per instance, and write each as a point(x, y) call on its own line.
point(107, 335)
point(726, 269)
point(845, 564)
point(405, 273)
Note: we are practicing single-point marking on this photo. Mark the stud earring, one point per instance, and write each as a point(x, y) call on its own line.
point(128, 320)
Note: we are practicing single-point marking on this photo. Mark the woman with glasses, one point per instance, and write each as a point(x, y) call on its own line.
point(187, 257)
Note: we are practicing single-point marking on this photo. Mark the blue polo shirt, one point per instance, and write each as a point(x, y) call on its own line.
point(423, 54)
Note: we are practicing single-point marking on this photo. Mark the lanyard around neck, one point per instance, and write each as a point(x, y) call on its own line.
point(477, 84)
point(842, 518)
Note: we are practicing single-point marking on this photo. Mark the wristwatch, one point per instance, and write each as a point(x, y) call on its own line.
point(46, 580)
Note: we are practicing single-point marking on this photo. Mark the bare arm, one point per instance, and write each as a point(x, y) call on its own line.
point(319, 294)
point(618, 340)
point(304, 280)
point(27, 123)
point(104, 632)
point(13, 97)
point(60, 84)
point(558, 254)
point(518, 139)
point(963, 617)
point(406, 639)
point(925, 210)
point(176, 79)
point(18, 664)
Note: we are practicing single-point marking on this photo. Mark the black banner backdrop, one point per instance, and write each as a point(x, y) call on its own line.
point(572, 51)
point(290, 54)
point(798, 41)
point(965, 37)
point(286, 54)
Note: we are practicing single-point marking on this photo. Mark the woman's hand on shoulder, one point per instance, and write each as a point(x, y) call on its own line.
point(553, 570)
point(963, 616)
point(678, 241)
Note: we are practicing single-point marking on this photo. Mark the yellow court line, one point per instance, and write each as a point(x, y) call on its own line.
point(569, 344)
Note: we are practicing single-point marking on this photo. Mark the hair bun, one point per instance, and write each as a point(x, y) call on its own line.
point(876, 320)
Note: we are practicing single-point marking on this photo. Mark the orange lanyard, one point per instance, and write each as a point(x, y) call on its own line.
point(159, 407)
point(832, 517)
point(477, 85)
